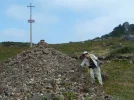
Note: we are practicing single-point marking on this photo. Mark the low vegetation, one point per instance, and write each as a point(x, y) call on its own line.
point(9, 51)
point(121, 79)
point(121, 73)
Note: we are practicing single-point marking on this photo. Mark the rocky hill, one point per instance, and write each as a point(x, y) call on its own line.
point(125, 29)
point(44, 73)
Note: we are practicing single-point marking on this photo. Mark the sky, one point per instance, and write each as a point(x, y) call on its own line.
point(62, 21)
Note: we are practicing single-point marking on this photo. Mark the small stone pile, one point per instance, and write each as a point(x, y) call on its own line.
point(44, 72)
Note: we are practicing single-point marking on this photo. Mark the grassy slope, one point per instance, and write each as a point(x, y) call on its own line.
point(6, 52)
point(91, 46)
point(121, 80)
point(121, 74)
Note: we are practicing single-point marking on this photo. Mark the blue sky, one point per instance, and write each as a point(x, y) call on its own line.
point(62, 21)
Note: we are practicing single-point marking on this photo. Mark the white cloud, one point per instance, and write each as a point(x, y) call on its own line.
point(86, 4)
point(78, 5)
point(106, 14)
point(41, 18)
point(18, 11)
point(116, 13)
point(21, 12)
point(15, 34)
point(89, 29)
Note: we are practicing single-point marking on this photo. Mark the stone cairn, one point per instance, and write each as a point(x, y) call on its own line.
point(44, 73)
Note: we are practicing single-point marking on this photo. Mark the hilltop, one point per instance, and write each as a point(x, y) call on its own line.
point(115, 51)
point(121, 30)
point(117, 56)
point(45, 73)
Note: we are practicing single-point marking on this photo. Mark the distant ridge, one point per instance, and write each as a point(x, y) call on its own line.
point(121, 30)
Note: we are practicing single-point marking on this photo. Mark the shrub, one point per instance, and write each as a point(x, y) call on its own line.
point(44, 98)
point(56, 98)
point(123, 50)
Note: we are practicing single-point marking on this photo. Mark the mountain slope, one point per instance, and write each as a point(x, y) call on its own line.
point(44, 72)
point(119, 67)
point(120, 30)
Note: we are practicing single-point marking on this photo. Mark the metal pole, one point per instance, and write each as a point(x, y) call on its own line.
point(31, 25)
point(31, 21)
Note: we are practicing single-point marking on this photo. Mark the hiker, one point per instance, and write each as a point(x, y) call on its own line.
point(91, 61)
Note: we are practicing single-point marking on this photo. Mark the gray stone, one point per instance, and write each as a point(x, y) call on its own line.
point(105, 76)
point(42, 71)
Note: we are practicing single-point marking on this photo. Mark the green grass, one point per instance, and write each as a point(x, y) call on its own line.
point(7, 52)
point(96, 47)
point(121, 73)
point(69, 95)
point(121, 80)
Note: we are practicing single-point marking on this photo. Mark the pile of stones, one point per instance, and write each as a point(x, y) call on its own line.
point(43, 73)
